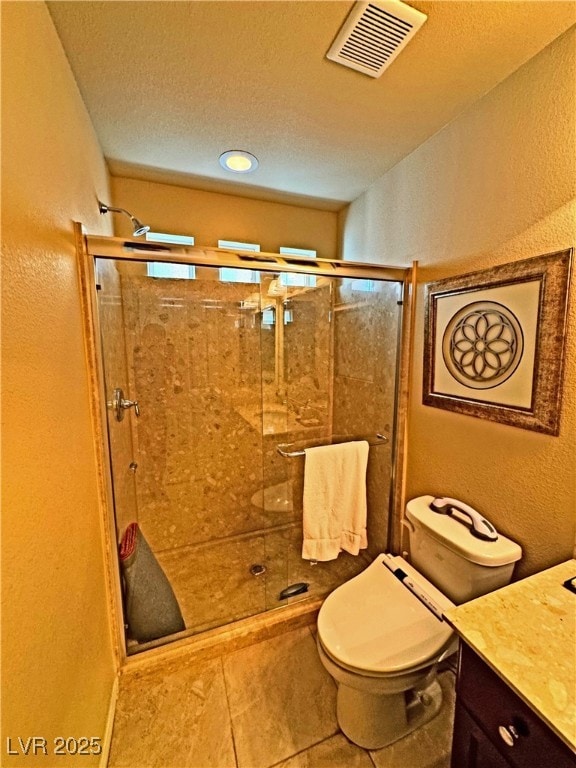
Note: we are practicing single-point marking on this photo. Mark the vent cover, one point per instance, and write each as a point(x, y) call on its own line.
point(374, 34)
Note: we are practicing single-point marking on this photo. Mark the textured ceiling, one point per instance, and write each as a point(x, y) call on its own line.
point(171, 85)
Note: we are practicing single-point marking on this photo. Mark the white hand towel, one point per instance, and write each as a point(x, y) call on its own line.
point(335, 500)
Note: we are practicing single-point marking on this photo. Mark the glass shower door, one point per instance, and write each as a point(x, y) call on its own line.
point(189, 351)
point(336, 345)
point(228, 365)
point(119, 422)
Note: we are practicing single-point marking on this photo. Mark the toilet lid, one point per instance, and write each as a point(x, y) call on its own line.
point(373, 622)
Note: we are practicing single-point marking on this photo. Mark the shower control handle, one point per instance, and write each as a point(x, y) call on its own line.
point(119, 404)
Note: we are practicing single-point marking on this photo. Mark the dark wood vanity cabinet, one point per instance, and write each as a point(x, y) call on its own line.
point(494, 728)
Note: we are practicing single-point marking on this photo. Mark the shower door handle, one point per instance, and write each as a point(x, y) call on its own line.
point(119, 404)
point(130, 404)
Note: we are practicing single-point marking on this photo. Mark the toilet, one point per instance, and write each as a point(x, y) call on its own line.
point(381, 635)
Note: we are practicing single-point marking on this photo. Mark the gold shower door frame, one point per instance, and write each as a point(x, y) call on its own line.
point(91, 247)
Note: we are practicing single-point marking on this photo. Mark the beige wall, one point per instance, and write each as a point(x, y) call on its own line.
point(57, 660)
point(210, 216)
point(496, 185)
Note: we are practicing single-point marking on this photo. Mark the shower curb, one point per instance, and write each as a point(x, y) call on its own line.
point(215, 642)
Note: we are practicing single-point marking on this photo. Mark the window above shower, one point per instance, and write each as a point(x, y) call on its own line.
point(228, 274)
point(172, 271)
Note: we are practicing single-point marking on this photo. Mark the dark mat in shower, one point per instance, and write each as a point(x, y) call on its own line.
point(151, 607)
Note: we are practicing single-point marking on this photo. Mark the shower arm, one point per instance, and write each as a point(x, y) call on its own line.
point(109, 208)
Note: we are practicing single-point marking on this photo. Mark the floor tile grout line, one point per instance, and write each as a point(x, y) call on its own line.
point(226, 691)
point(305, 749)
point(307, 632)
point(369, 753)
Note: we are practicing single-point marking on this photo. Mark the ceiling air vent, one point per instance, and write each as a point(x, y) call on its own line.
point(374, 34)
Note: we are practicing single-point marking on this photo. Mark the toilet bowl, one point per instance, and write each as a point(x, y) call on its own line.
point(381, 635)
point(382, 645)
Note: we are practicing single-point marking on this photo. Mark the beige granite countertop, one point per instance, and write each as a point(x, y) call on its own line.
point(526, 632)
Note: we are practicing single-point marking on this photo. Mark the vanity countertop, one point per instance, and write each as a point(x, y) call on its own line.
point(526, 632)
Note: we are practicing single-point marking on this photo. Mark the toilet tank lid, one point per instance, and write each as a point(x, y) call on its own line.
point(454, 533)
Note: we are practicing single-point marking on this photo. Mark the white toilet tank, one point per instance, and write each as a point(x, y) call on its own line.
point(461, 565)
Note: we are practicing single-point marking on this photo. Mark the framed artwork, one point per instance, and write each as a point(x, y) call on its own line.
point(494, 342)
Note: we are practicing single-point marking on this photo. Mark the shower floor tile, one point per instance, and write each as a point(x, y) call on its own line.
point(271, 705)
point(214, 586)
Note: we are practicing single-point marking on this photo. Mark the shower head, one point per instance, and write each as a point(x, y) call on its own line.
point(137, 227)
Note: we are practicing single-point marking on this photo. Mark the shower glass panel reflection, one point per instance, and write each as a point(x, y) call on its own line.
point(227, 365)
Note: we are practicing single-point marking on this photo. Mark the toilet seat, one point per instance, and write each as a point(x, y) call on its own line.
point(375, 626)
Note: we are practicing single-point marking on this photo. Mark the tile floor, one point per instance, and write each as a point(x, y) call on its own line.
point(270, 704)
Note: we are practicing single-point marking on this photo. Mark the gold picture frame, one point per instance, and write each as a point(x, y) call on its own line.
point(494, 342)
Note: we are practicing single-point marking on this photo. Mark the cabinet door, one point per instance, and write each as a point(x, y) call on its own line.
point(493, 705)
point(470, 748)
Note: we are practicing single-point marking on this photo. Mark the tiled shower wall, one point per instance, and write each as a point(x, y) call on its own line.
point(191, 368)
point(366, 333)
point(218, 390)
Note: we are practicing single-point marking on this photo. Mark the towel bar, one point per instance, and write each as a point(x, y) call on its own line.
point(381, 440)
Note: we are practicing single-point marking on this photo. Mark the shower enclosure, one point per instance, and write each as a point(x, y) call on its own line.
point(219, 370)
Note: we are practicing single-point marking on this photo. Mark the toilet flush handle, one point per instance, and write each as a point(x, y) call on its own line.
point(479, 526)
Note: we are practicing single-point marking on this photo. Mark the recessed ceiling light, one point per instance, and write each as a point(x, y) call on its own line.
point(238, 161)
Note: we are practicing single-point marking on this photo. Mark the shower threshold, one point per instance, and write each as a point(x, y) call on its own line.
point(233, 636)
